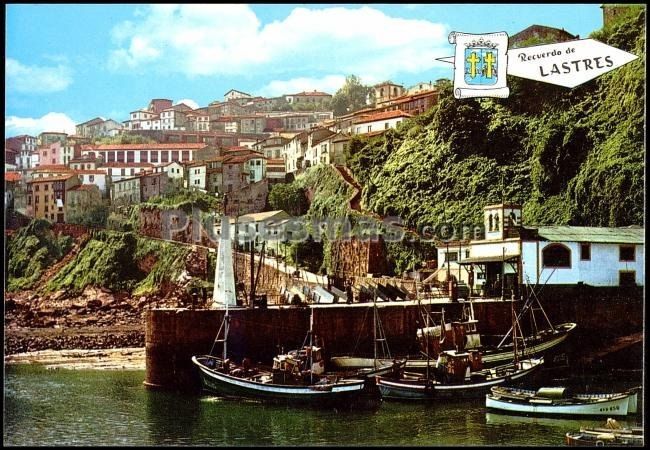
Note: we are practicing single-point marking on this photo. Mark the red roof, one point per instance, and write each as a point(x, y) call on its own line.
point(384, 116)
point(90, 172)
point(48, 179)
point(242, 158)
point(275, 162)
point(12, 176)
point(165, 146)
point(52, 168)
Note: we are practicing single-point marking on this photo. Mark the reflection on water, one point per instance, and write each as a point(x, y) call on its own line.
point(60, 407)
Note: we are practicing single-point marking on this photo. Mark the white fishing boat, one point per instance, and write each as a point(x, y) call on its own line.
point(559, 401)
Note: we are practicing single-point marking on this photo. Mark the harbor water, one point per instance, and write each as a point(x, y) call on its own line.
point(73, 407)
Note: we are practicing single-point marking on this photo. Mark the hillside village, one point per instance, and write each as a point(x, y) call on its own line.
point(239, 146)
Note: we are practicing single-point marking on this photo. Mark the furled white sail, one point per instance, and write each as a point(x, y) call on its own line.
point(224, 277)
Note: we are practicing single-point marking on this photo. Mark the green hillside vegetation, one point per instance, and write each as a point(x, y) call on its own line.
point(30, 251)
point(111, 260)
point(569, 156)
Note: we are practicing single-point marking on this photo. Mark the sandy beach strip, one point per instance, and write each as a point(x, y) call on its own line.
point(132, 358)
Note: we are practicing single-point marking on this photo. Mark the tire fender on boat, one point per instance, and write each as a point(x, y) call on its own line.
point(600, 443)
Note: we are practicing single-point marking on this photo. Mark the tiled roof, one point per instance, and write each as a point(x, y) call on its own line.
point(12, 176)
point(384, 116)
point(52, 168)
point(165, 146)
point(48, 179)
point(242, 158)
point(566, 233)
point(90, 172)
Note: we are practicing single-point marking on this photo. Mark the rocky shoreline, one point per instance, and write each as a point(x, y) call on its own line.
point(95, 319)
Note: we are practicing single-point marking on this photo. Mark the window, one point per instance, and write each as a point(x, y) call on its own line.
point(451, 256)
point(369, 128)
point(174, 155)
point(123, 172)
point(627, 278)
point(46, 208)
point(46, 187)
point(626, 253)
point(37, 188)
point(144, 156)
point(130, 157)
point(154, 157)
point(120, 156)
point(386, 126)
point(585, 252)
point(132, 171)
point(556, 255)
point(164, 156)
point(466, 253)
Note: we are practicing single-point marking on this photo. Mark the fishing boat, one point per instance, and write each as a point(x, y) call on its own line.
point(559, 401)
point(453, 377)
point(458, 374)
point(611, 435)
point(295, 378)
point(464, 334)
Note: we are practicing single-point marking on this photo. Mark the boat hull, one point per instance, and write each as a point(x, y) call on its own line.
point(518, 401)
point(612, 407)
point(493, 357)
point(489, 357)
point(605, 439)
point(230, 386)
point(418, 390)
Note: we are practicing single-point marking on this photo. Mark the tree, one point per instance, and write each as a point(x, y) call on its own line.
point(290, 198)
point(353, 96)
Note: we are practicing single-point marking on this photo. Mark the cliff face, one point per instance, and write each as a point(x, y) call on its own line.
point(569, 156)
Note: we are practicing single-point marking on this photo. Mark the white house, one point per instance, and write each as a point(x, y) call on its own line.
point(294, 152)
point(196, 175)
point(98, 177)
point(234, 94)
point(511, 255)
point(319, 145)
point(174, 170)
point(118, 171)
point(379, 121)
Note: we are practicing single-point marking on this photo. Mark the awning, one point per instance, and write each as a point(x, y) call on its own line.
point(487, 259)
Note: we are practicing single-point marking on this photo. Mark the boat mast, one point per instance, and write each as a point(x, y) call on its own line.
point(374, 328)
point(514, 330)
point(311, 348)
